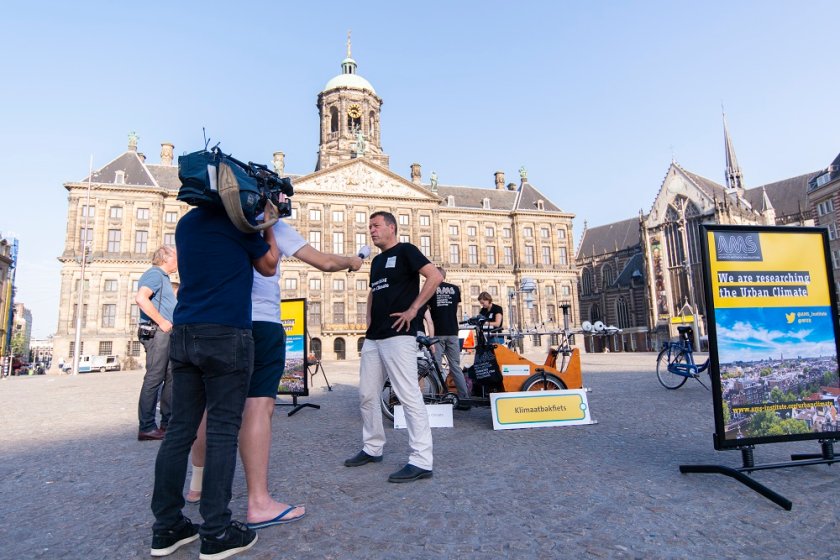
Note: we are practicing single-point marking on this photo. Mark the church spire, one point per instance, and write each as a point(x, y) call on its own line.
point(734, 178)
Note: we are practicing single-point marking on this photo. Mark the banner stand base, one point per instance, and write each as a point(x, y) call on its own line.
point(825, 458)
point(297, 406)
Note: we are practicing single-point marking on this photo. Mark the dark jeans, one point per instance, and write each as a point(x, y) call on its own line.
point(211, 367)
point(158, 372)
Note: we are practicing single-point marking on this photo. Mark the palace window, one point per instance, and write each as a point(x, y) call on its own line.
point(491, 254)
point(426, 245)
point(338, 243)
point(141, 241)
point(315, 240)
point(338, 312)
point(109, 315)
point(508, 255)
point(114, 238)
point(529, 255)
point(472, 254)
point(454, 254)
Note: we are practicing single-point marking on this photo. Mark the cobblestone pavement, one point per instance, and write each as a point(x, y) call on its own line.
point(75, 483)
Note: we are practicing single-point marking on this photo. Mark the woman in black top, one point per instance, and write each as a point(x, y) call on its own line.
point(494, 316)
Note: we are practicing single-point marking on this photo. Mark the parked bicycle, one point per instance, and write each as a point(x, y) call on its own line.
point(675, 364)
point(430, 376)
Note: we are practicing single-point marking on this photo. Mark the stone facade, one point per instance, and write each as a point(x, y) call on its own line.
point(488, 239)
point(612, 285)
point(824, 205)
point(7, 247)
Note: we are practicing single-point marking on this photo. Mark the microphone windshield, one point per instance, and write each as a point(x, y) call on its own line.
point(364, 252)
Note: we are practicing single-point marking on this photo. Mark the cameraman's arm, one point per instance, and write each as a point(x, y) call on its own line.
point(327, 262)
point(267, 264)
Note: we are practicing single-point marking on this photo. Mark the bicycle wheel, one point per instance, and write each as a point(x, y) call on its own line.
point(536, 383)
point(666, 378)
point(429, 388)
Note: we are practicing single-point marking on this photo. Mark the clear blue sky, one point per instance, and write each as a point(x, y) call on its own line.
point(593, 98)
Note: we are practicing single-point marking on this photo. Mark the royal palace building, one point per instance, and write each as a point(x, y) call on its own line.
point(487, 239)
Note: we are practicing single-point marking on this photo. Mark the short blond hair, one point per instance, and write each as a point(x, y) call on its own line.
point(161, 253)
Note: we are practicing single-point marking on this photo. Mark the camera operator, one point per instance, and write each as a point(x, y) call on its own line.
point(156, 301)
point(212, 351)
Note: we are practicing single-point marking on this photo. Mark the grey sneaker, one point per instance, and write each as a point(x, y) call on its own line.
point(168, 541)
point(233, 540)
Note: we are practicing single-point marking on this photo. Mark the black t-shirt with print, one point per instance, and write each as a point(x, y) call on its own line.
point(443, 306)
point(491, 315)
point(394, 284)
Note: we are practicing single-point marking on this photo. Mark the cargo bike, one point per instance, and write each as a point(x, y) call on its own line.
point(497, 368)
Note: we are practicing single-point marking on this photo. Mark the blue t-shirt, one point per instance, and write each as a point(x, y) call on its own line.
point(163, 297)
point(216, 270)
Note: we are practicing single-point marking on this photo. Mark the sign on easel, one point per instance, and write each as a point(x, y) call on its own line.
point(772, 334)
point(293, 318)
point(537, 409)
point(773, 345)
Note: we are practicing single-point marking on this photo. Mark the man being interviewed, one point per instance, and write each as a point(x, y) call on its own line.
point(393, 320)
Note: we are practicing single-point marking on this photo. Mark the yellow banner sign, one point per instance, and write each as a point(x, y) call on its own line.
point(759, 269)
point(530, 409)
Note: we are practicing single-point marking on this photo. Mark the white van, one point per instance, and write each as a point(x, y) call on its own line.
point(98, 363)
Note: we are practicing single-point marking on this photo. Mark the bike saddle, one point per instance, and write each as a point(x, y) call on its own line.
point(426, 340)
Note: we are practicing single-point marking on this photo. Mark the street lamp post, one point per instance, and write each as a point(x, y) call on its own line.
point(526, 286)
point(80, 309)
point(683, 225)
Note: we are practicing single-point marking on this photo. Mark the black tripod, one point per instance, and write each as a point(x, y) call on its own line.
point(313, 366)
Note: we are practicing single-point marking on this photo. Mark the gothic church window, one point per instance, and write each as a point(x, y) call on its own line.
point(606, 276)
point(586, 281)
point(622, 311)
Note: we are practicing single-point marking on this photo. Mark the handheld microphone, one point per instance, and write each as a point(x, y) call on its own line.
point(364, 252)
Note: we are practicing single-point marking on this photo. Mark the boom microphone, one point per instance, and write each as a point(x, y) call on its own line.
point(364, 252)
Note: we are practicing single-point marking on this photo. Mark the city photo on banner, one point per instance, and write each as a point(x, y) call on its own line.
point(773, 334)
point(293, 317)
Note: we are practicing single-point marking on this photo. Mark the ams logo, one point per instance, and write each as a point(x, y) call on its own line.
point(737, 246)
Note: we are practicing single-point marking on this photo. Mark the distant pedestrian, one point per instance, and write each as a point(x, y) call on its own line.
point(443, 308)
point(156, 301)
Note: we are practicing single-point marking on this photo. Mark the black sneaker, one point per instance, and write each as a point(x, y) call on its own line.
point(233, 540)
point(168, 541)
